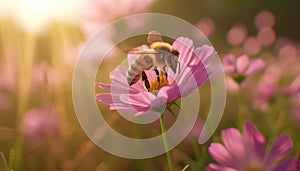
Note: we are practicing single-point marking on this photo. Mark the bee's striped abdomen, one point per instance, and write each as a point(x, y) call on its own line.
point(141, 63)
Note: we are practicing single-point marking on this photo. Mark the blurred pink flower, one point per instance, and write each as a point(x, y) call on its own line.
point(43, 74)
point(196, 130)
point(40, 124)
point(237, 34)
point(266, 36)
point(288, 54)
point(264, 96)
point(97, 13)
point(252, 46)
point(281, 42)
point(239, 68)
point(5, 101)
point(247, 151)
point(264, 19)
point(232, 85)
point(296, 115)
point(267, 89)
point(193, 69)
point(9, 71)
point(293, 90)
point(206, 26)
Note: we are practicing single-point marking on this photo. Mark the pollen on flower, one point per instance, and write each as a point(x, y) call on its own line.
point(253, 169)
point(157, 85)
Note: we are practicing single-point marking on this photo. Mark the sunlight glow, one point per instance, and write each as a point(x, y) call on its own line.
point(36, 15)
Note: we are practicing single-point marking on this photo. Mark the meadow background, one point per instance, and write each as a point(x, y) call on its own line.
point(41, 40)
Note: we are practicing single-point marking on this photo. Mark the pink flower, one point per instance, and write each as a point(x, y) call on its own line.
point(265, 95)
point(293, 92)
point(207, 26)
point(97, 13)
point(40, 124)
point(193, 73)
point(267, 89)
point(242, 66)
point(237, 34)
point(296, 114)
point(293, 88)
point(247, 152)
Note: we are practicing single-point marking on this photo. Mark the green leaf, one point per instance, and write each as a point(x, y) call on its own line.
point(11, 158)
point(196, 150)
point(177, 106)
point(171, 111)
point(3, 163)
point(174, 103)
point(239, 79)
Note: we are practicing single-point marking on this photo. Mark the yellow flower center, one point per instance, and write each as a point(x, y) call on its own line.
point(253, 169)
point(157, 85)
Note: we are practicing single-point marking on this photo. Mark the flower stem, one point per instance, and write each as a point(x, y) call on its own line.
point(240, 109)
point(25, 64)
point(163, 130)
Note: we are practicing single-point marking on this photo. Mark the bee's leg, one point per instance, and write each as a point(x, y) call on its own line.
point(145, 79)
point(157, 75)
point(165, 71)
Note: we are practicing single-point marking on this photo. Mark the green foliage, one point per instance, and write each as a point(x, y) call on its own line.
point(3, 163)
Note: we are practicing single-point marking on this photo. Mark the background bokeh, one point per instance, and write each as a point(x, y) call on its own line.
point(40, 41)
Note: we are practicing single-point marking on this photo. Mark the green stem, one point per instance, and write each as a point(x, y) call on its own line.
point(278, 125)
point(25, 61)
point(163, 130)
point(240, 109)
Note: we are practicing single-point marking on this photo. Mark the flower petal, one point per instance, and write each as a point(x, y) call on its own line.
point(200, 75)
point(194, 79)
point(171, 93)
point(106, 98)
point(118, 77)
point(282, 146)
point(255, 66)
point(141, 99)
point(233, 141)
point(204, 54)
point(222, 155)
point(117, 90)
point(255, 143)
point(151, 75)
point(124, 106)
point(229, 59)
point(214, 167)
point(287, 165)
point(242, 63)
point(139, 86)
point(142, 112)
point(157, 101)
point(185, 47)
point(117, 104)
point(229, 64)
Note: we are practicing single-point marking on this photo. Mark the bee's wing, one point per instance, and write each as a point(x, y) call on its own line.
point(154, 36)
point(138, 51)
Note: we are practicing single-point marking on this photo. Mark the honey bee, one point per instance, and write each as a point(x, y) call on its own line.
point(160, 55)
